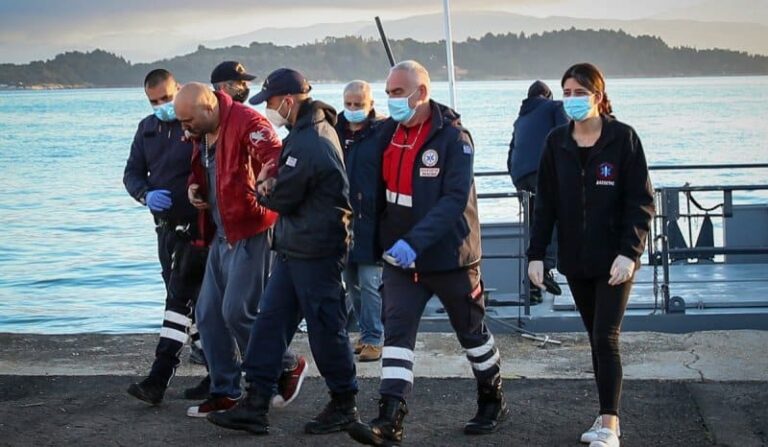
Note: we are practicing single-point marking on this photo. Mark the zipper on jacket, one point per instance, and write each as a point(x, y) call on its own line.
point(359, 205)
point(399, 172)
point(583, 203)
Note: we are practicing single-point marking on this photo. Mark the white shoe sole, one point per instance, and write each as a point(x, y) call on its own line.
point(277, 399)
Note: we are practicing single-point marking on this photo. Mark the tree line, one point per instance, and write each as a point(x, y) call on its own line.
point(493, 56)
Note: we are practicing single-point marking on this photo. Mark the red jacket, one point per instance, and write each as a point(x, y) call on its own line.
point(246, 141)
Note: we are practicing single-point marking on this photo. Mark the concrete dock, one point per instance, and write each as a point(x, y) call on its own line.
point(697, 389)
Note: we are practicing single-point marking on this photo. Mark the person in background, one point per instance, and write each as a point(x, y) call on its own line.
point(358, 129)
point(231, 143)
point(429, 223)
point(538, 115)
point(594, 184)
point(231, 78)
point(311, 193)
point(156, 175)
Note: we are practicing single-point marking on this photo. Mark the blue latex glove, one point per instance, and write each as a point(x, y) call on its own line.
point(403, 254)
point(159, 200)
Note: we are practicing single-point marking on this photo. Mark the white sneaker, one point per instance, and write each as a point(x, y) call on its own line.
point(591, 434)
point(605, 438)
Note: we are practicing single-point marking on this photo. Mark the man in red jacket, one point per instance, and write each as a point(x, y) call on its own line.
point(231, 143)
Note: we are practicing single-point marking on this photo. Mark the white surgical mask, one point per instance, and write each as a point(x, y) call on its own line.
point(274, 116)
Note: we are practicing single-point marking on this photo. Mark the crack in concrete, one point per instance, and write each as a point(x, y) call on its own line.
point(689, 365)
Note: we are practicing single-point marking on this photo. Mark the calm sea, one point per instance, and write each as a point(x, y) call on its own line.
point(77, 254)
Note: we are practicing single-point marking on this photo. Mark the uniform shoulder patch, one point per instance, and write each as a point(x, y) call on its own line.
point(291, 161)
point(468, 149)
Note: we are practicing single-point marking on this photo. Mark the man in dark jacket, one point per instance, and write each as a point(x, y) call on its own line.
point(232, 143)
point(430, 225)
point(539, 114)
point(358, 129)
point(156, 176)
point(310, 193)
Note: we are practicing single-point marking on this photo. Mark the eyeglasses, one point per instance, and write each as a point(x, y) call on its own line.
point(405, 144)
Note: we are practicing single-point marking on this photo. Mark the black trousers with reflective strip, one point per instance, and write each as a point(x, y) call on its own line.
point(183, 267)
point(404, 297)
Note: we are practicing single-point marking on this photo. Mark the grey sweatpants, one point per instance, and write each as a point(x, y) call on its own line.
point(234, 280)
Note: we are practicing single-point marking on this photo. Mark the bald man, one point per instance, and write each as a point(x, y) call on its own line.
point(231, 143)
point(358, 129)
point(431, 232)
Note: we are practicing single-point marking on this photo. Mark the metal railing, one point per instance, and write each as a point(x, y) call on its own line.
point(656, 257)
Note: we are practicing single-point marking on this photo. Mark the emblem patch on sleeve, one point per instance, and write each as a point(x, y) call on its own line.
point(291, 161)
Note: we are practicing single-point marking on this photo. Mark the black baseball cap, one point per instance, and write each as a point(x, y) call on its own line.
point(282, 81)
point(230, 71)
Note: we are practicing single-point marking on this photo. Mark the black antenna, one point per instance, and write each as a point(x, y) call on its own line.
point(385, 42)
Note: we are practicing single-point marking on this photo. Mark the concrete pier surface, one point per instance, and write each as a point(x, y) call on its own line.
point(697, 389)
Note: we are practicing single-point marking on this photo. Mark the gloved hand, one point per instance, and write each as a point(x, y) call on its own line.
point(622, 270)
point(159, 200)
point(536, 273)
point(403, 254)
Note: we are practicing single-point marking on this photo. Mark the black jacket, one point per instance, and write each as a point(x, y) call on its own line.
point(159, 159)
point(538, 116)
point(445, 233)
point(602, 210)
point(362, 158)
point(312, 193)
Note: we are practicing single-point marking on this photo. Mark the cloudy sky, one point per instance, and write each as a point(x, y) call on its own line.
point(145, 30)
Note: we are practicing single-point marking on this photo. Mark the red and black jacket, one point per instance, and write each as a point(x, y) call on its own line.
point(429, 195)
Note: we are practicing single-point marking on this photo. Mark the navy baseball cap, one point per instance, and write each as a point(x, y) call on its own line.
point(230, 71)
point(282, 81)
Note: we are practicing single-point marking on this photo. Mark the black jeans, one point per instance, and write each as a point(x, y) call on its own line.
point(602, 309)
point(528, 183)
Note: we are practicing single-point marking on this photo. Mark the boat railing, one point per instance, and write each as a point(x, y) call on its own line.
point(665, 241)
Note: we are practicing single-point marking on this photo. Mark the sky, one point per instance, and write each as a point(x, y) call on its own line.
point(147, 30)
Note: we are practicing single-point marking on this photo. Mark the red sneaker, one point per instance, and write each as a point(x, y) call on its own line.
point(289, 384)
point(212, 405)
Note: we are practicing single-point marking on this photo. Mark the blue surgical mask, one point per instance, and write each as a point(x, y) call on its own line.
point(400, 110)
point(165, 112)
point(355, 116)
point(577, 107)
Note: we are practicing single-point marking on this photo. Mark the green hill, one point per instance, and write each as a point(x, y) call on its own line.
point(503, 56)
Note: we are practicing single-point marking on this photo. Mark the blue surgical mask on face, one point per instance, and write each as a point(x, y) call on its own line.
point(165, 112)
point(355, 116)
point(577, 107)
point(400, 110)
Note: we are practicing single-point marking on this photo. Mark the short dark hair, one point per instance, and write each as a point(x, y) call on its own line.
point(157, 76)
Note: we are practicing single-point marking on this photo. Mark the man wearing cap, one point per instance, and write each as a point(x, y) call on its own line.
point(231, 78)
point(312, 237)
point(156, 176)
point(232, 142)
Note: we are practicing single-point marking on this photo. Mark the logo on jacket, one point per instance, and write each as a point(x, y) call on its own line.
point(429, 158)
point(257, 137)
point(606, 174)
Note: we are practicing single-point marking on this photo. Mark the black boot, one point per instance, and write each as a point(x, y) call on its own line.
point(387, 429)
point(337, 415)
point(151, 390)
point(250, 414)
point(201, 391)
point(491, 410)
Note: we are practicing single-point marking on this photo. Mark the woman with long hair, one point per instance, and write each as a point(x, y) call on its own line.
point(594, 184)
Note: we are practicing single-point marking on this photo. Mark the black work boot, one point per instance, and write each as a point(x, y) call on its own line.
point(491, 410)
point(201, 391)
point(151, 390)
point(387, 429)
point(250, 414)
point(337, 415)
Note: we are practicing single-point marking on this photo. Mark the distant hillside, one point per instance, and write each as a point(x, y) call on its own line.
point(507, 56)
